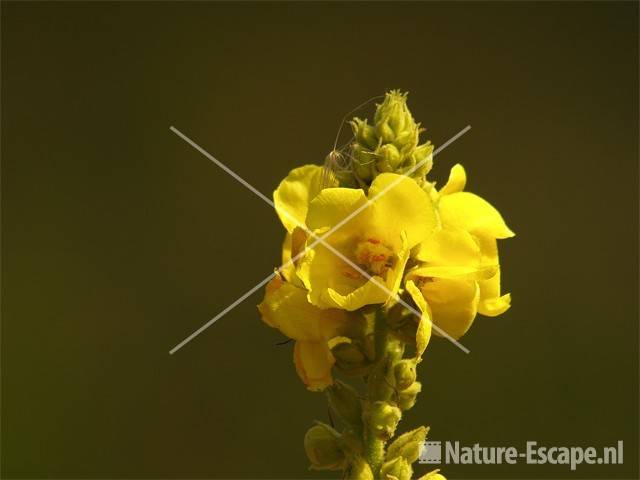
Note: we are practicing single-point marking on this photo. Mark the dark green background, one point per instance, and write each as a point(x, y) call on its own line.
point(119, 239)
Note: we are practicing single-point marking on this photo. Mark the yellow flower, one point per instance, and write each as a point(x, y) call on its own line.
point(294, 193)
point(378, 239)
point(293, 244)
point(286, 308)
point(459, 272)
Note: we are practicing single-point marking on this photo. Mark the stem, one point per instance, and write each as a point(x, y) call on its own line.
point(378, 390)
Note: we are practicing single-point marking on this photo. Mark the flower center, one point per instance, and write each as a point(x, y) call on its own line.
point(374, 257)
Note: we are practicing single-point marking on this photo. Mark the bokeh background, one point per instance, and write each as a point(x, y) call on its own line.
point(119, 239)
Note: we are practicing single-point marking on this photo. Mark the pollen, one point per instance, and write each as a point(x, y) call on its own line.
point(351, 273)
point(374, 257)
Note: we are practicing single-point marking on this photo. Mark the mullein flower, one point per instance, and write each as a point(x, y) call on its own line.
point(458, 273)
point(286, 308)
point(378, 239)
point(469, 212)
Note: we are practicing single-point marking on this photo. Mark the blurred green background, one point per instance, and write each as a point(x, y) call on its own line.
point(119, 239)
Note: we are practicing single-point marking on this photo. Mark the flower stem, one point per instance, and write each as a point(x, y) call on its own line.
point(378, 389)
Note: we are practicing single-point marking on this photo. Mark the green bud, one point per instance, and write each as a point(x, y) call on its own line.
point(405, 374)
point(381, 377)
point(364, 163)
point(350, 356)
point(391, 143)
point(383, 419)
point(422, 155)
point(394, 111)
point(389, 158)
point(322, 444)
point(384, 131)
point(359, 469)
point(380, 381)
point(407, 140)
point(433, 475)
point(408, 445)
point(365, 134)
point(344, 400)
point(398, 468)
point(408, 397)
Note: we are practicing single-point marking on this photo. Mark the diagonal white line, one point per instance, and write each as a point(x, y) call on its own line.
point(317, 239)
point(222, 166)
point(221, 314)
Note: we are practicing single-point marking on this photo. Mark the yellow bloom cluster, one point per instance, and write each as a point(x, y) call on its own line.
point(449, 236)
point(384, 240)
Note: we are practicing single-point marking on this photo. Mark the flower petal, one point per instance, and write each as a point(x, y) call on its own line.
point(454, 272)
point(368, 294)
point(294, 193)
point(332, 206)
point(449, 246)
point(394, 276)
point(423, 333)
point(288, 269)
point(457, 181)
point(399, 204)
point(291, 246)
point(492, 303)
point(285, 307)
point(453, 303)
point(313, 362)
point(471, 213)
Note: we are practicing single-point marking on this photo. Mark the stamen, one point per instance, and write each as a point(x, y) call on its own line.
point(374, 256)
point(351, 274)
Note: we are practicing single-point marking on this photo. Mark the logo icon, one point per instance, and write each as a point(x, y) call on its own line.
point(431, 453)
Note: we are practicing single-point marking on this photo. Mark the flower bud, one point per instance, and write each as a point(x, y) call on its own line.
point(393, 114)
point(364, 163)
point(422, 155)
point(398, 468)
point(408, 140)
point(383, 419)
point(384, 131)
point(433, 475)
point(391, 143)
point(405, 374)
point(408, 397)
point(408, 445)
point(344, 400)
point(365, 134)
point(359, 469)
point(322, 444)
point(389, 158)
point(350, 356)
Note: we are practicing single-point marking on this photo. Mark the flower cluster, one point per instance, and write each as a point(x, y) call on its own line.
point(368, 273)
